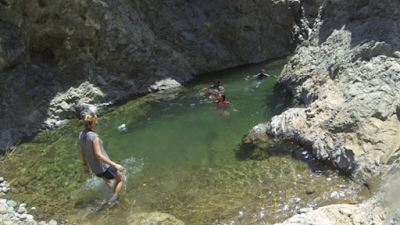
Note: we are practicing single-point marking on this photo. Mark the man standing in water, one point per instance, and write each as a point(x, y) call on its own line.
point(92, 152)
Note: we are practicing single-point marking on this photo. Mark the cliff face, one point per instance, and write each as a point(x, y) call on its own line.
point(61, 58)
point(348, 75)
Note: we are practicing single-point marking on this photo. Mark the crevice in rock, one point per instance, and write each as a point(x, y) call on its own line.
point(4, 2)
point(83, 17)
point(42, 3)
point(42, 56)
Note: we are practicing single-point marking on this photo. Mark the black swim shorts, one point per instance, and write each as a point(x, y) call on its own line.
point(110, 173)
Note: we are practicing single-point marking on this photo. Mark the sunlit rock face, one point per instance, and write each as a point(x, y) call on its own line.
point(60, 59)
point(348, 75)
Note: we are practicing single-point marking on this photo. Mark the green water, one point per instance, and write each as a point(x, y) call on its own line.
point(179, 155)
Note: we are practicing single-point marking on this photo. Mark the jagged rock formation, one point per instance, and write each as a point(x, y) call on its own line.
point(61, 58)
point(348, 75)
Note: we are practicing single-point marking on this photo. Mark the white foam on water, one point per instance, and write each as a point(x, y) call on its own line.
point(93, 182)
point(132, 166)
point(122, 128)
point(94, 193)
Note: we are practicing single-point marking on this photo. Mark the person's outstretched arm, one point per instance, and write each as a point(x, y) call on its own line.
point(101, 157)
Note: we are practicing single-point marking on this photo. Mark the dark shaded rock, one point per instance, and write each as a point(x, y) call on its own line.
point(255, 144)
point(309, 192)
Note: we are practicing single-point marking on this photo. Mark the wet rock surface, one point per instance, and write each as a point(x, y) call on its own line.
point(60, 59)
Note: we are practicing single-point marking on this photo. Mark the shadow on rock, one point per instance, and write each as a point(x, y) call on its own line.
point(257, 145)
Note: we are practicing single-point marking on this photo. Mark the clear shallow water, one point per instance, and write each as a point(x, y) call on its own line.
point(178, 151)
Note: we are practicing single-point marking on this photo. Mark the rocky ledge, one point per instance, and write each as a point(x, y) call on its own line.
point(347, 74)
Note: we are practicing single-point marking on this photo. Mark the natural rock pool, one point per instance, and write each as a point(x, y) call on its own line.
point(179, 154)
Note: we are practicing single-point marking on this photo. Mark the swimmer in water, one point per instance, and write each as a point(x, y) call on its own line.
point(214, 89)
point(224, 104)
point(260, 78)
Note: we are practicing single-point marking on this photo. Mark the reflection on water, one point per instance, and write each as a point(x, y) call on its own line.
point(178, 151)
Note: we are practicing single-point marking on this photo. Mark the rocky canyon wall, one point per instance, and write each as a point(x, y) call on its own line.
point(348, 75)
point(59, 58)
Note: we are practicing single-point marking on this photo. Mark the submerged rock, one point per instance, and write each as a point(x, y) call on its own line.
point(254, 144)
point(154, 218)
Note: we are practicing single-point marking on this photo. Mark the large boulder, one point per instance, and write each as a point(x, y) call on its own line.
point(338, 214)
point(348, 75)
point(156, 218)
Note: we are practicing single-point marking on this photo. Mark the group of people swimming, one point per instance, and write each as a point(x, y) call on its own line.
point(217, 91)
point(93, 155)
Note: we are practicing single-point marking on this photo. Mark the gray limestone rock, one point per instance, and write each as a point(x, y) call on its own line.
point(3, 209)
point(305, 210)
point(154, 218)
point(164, 85)
point(348, 75)
point(349, 80)
point(329, 215)
point(32, 211)
point(22, 210)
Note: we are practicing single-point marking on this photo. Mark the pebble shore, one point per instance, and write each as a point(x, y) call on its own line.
point(13, 213)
